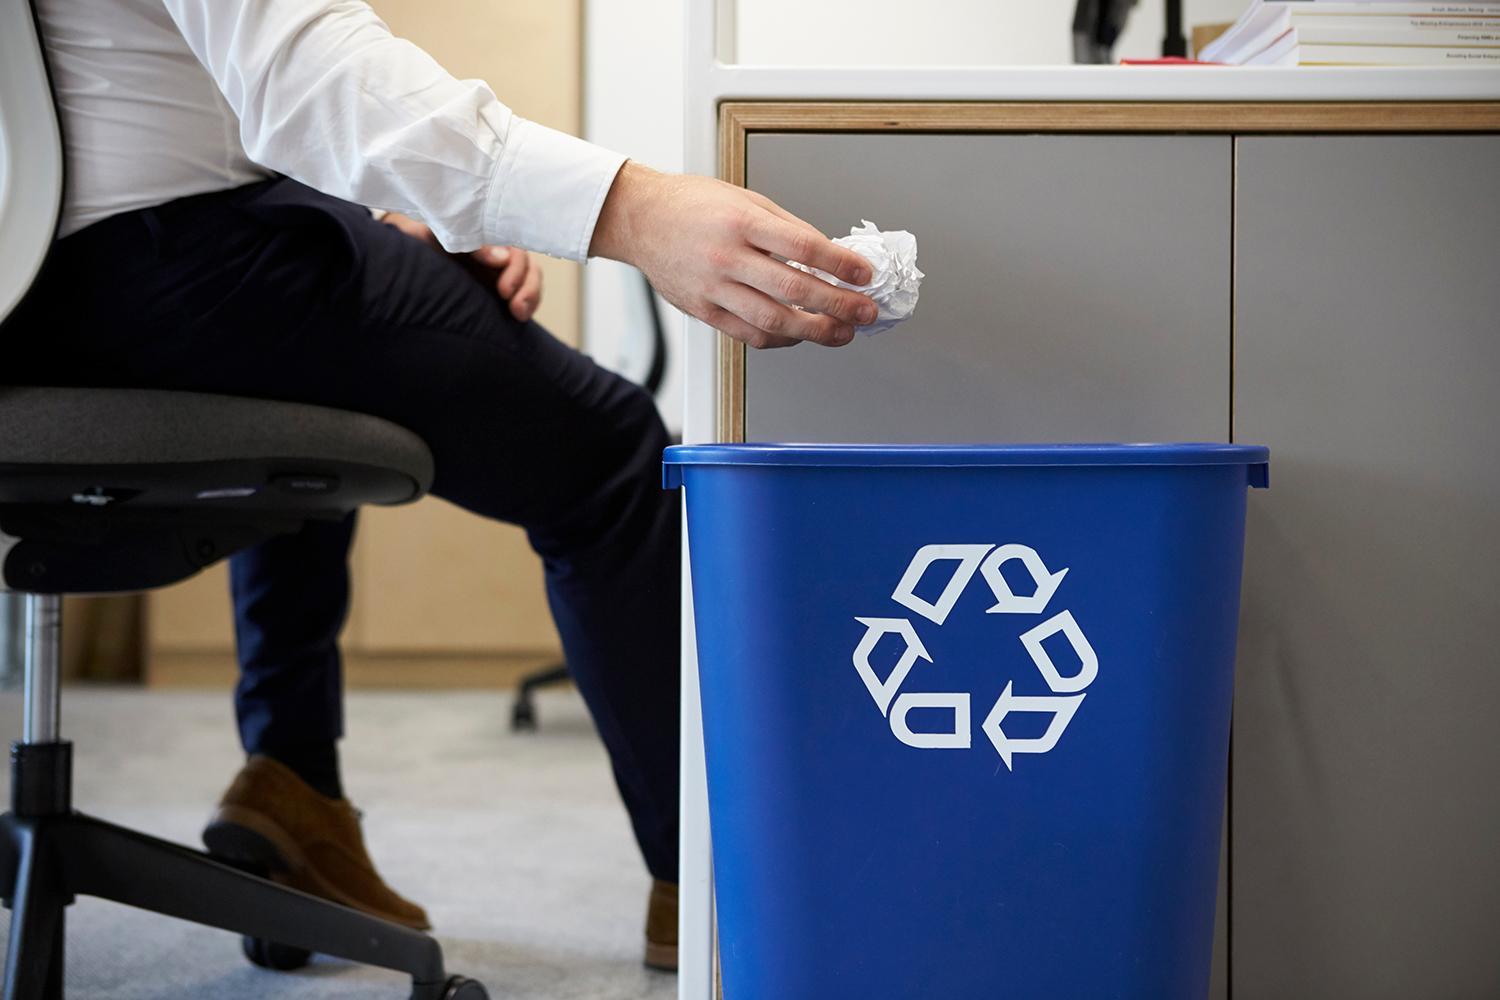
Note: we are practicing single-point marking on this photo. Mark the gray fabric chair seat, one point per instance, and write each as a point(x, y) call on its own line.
point(142, 448)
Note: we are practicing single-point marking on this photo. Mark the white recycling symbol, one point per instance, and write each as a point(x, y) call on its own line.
point(986, 560)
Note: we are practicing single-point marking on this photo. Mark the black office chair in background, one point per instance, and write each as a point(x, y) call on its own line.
point(523, 710)
point(106, 490)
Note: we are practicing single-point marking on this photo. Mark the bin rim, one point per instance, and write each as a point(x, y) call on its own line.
point(1255, 457)
point(941, 455)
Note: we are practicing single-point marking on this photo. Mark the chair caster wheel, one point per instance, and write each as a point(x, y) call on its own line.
point(273, 955)
point(523, 716)
point(459, 988)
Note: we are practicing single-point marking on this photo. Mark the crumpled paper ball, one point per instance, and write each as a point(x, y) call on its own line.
point(896, 281)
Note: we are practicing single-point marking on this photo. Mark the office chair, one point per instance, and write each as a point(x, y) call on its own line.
point(523, 710)
point(105, 490)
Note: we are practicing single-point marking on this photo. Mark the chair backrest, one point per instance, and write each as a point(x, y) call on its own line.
point(31, 154)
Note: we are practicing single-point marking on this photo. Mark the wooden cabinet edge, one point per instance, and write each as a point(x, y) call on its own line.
point(737, 118)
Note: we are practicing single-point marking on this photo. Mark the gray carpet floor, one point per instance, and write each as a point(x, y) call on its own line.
point(516, 844)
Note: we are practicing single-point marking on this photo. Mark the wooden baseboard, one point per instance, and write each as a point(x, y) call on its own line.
point(217, 669)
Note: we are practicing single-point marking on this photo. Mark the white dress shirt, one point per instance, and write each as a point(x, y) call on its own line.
point(165, 98)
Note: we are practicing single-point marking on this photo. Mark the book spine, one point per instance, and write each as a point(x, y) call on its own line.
point(1318, 34)
point(1341, 7)
point(1394, 55)
point(1400, 22)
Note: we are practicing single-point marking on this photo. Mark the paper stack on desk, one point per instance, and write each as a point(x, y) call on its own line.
point(1361, 33)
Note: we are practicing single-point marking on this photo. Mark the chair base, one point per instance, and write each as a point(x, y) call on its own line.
point(523, 712)
point(49, 855)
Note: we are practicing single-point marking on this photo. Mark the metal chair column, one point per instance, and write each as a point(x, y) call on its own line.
point(41, 788)
point(43, 710)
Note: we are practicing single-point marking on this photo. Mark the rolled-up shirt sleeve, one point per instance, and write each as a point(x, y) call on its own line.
point(326, 94)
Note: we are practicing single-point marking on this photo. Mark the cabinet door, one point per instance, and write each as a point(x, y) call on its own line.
point(1366, 823)
point(1077, 289)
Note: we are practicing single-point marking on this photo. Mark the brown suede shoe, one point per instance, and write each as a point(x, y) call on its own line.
point(272, 819)
point(661, 927)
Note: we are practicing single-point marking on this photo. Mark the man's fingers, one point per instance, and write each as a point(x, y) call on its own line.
point(492, 256)
point(782, 213)
point(786, 239)
point(786, 283)
point(524, 304)
point(411, 227)
point(777, 210)
point(771, 317)
point(726, 322)
point(514, 274)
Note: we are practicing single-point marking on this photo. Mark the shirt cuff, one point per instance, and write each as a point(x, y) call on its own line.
point(547, 190)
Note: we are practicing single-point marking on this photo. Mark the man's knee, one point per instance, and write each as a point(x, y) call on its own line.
point(619, 491)
point(644, 419)
point(638, 437)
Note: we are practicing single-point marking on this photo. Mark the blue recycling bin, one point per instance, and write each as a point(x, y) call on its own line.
point(966, 712)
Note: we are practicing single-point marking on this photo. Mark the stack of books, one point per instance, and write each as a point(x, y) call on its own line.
point(1361, 33)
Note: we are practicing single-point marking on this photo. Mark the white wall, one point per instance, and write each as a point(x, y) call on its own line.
point(940, 32)
point(633, 97)
point(633, 103)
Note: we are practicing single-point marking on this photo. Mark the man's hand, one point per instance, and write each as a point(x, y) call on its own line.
point(510, 271)
point(718, 252)
point(514, 276)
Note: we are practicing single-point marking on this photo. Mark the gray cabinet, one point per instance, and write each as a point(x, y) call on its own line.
point(1065, 298)
point(1366, 779)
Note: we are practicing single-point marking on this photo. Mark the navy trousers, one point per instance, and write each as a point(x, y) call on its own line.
point(277, 291)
